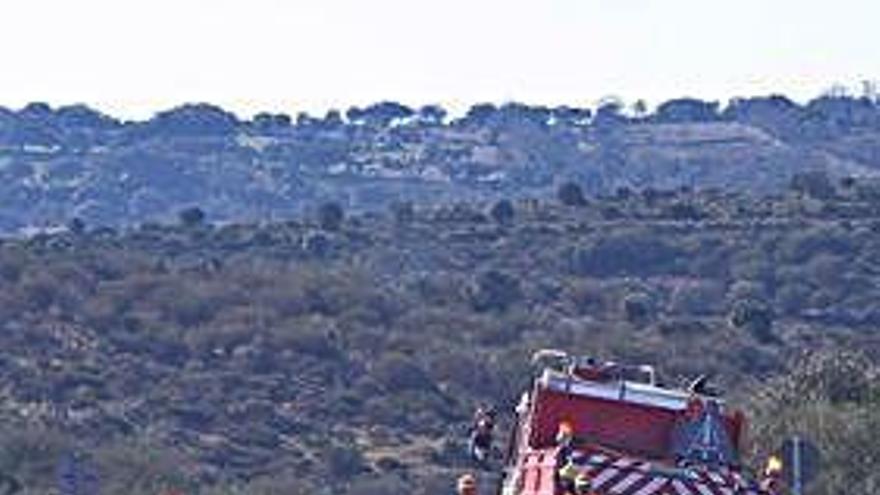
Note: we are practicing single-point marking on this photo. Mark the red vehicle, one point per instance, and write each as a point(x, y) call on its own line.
point(624, 435)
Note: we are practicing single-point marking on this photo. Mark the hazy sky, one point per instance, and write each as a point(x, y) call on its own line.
point(133, 58)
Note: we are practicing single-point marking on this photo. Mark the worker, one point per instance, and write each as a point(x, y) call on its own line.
point(566, 477)
point(482, 434)
point(467, 485)
point(772, 480)
point(565, 440)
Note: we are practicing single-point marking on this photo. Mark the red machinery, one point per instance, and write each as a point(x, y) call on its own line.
point(630, 436)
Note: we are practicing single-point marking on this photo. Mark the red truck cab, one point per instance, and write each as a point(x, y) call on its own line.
point(631, 436)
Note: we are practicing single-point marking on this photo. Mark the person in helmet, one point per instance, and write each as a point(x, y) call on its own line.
point(772, 480)
point(565, 434)
point(482, 434)
point(467, 485)
point(565, 440)
point(566, 477)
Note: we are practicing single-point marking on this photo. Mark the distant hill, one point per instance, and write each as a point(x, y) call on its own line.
point(61, 164)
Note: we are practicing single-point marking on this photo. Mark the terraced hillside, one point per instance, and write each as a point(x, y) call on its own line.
point(57, 165)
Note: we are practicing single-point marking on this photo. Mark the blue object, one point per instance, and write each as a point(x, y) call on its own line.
point(704, 440)
point(77, 475)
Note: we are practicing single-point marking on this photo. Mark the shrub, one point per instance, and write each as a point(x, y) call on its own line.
point(638, 307)
point(318, 244)
point(829, 397)
point(571, 194)
point(310, 341)
point(502, 211)
point(757, 318)
point(816, 184)
point(494, 290)
point(586, 297)
point(191, 217)
point(331, 215)
point(627, 253)
point(697, 298)
point(397, 372)
point(344, 462)
point(403, 211)
point(30, 453)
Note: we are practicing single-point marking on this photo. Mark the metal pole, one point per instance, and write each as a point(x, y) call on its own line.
point(797, 488)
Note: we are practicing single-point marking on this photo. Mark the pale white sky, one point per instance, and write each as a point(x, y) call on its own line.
point(133, 58)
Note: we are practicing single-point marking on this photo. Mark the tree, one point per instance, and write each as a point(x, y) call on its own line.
point(571, 194)
point(398, 372)
point(815, 184)
point(81, 116)
point(609, 113)
point(333, 120)
point(432, 115)
point(317, 244)
point(639, 108)
point(755, 317)
point(638, 307)
point(77, 475)
point(268, 122)
point(382, 115)
point(191, 217)
point(687, 110)
point(193, 120)
point(503, 211)
point(344, 462)
point(403, 211)
point(76, 225)
point(494, 290)
point(480, 114)
point(331, 215)
point(570, 116)
point(831, 397)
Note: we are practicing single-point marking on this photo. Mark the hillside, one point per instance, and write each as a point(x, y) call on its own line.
point(57, 165)
point(348, 350)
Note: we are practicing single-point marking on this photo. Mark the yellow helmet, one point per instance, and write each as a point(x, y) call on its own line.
point(566, 428)
point(774, 466)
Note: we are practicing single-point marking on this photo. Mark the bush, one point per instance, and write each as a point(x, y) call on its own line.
point(831, 398)
point(310, 341)
point(30, 453)
point(142, 466)
point(816, 184)
point(344, 462)
point(397, 372)
point(702, 298)
point(191, 217)
point(638, 307)
point(318, 244)
point(503, 211)
point(627, 253)
point(494, 290)
point(586, 297)
point(330, 216)
point(571, 194)
point(757, 318)
point(403, 211)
